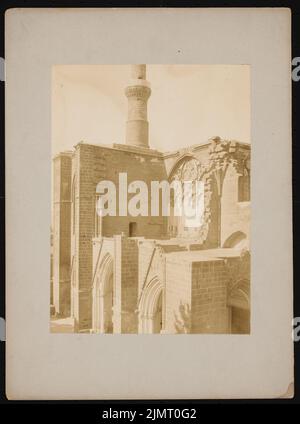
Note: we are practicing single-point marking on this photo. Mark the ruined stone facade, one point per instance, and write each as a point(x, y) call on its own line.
point(152, 274)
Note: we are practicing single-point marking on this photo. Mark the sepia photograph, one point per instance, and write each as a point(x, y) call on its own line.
point(151, 169)
point(149, 209)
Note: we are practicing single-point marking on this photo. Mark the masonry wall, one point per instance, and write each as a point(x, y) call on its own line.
point(82, 232)
point(177, 296)
point(119, 251)
point(74, 236)
point(235, 215)
point(61, 234)
point(138, 166)
point(213, 239)
point(146, 252)
point(91, 165)
point(124, 252)
point(129, 285)
point(209, 297)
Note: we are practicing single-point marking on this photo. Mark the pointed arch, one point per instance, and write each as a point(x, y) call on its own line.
point(239, 295)
point(239, 307)
point(150, 307)
point(236, 239)
point(187, 168)
point(103, 293)
point(182, 159)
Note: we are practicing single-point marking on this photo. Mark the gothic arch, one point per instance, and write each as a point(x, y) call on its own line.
point(236, 239)
point(150, 308)
point(239, 295)
point(103, 297)
point(239, 307)
point(186, 157)
point(186, 168)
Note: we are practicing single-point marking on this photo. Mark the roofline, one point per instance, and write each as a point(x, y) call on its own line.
point(194, 147)
point(147, 151)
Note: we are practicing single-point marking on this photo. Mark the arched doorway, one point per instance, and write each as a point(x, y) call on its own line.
point(103, 297)
point(239, 307)
point(151, 308)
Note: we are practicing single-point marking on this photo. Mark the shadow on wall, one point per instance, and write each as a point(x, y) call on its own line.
point(183, 319)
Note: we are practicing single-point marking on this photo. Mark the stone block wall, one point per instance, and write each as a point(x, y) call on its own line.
point(129, 285)
point(235, 215)
point(75, 179)
point(178, 301)
point(124, 253)
point(91, 165)
point(85, 214)
point(138, 166)
point(210, 313)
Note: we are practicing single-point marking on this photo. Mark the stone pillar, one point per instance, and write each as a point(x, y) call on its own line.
point(125, 318)
point(85, 231)
point(137, 93)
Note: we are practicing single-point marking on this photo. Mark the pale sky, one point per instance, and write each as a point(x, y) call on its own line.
point(188, 105)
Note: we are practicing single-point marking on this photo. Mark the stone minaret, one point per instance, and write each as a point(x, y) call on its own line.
point(137, 93)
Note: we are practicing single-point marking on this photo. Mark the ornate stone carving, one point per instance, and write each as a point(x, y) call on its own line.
point(188, 169)
point(222, 153)
point(138, 92)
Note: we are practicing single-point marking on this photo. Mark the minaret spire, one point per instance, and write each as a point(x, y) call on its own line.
point(137, 92)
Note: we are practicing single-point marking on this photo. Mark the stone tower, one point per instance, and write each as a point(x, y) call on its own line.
point(137, 93)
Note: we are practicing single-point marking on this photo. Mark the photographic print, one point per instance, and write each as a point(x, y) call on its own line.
point(149, 212)
point(151, 172)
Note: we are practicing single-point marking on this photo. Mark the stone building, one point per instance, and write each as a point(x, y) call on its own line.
point(152, 274)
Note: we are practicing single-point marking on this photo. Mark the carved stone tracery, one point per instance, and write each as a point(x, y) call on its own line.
point(222, 153)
